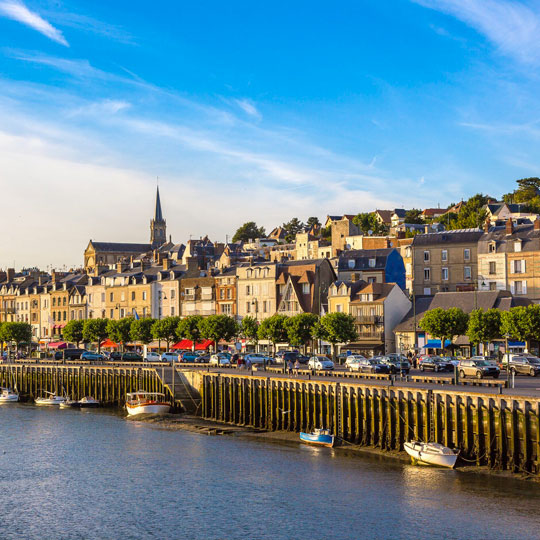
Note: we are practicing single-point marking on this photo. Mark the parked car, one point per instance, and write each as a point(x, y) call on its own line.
point(152, 356)
point(68, 354)
point(302, 359)
point(170, 356)
point(435, 363)
point(320, 362)
point(131, 356)
point(396, 363)
point(92, 356)
point(203, 358)
point(371, 365)
point(220, 359)
point(454, 360)
point(353, 359)
point(258, 358)
point(478, 367)
point(528, 365)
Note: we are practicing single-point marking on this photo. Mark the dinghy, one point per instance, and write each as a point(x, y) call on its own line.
point(320, 437)
point(7, 395)
point(431, 454)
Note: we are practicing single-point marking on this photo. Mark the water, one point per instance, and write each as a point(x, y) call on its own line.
point(74, 474)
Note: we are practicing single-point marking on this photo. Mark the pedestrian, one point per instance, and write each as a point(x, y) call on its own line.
point(248, 363)
point(290, 367)
point(296, 367)
point(236, 360)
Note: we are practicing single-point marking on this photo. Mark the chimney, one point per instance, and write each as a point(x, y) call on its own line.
point(10, 274)
point(355, 277)
point(54, 275)
point(121, 266)
point(509, 227)
point(537, 224)
point(192, 264)
point(166, 263)
point(400, 235)
point(426, 229)
point(487, 225)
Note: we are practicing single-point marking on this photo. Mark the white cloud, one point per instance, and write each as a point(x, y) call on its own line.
point(248, 108)
point(511, 26)
point(17, 11)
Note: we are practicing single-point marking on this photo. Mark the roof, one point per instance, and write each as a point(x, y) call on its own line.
point(420, 306)
point(433, 211)
point(457, 236)
point(530, 239)
point(121, 247)
point(400, 212)
point(385, 215)
point(378, 290)
point(158, 215)
point(353, 286)
point(362, 258)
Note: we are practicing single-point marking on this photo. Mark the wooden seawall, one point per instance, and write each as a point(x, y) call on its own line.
point(501, 432)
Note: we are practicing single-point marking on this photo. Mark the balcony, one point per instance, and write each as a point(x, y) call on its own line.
point(189, 296)
point(369, 319)
point(370, 336)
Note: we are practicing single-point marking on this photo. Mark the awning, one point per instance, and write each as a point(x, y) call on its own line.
point(109, 344)
point(187, 344)
point(57, 345)
point(516, 344)
point(436, 344)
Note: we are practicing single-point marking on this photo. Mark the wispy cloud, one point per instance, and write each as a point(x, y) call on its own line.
point(17, 11)
point(513, 27)
point(248, 108)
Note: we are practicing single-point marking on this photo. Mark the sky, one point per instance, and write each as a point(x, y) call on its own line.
point(253, 111)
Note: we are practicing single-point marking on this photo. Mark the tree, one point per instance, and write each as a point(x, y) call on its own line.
point(119, 331)
point(445, 323)
point(470, 215)
point(326, 232)
point(141, 330)
point(335, 328)
point(165, 330)
point(368, 222)
point(217, 328)
point(248, 231)
point(292, 228)
point(414, 216)
point(95, 331)
point(73, 331)
point(274, 329)
point(484, 326)
point(190, 328)
point(17, 332)
point(313, 222)
point(522, 323)
point(528, 192)
point(2, 337)
point(249, 328)
point(300, 329)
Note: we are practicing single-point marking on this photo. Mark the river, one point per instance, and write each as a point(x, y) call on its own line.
point(77, 475)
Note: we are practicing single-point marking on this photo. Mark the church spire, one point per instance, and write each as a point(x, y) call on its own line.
point(158, 216)
point(158, 226)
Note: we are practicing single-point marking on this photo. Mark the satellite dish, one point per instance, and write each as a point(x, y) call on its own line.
point(370, 232)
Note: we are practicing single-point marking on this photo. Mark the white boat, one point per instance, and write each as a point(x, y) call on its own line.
point(146, 403)
point(431, 454)
point(52, 399)
point(7, 395)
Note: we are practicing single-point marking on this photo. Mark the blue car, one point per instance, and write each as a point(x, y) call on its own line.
point(92, 356)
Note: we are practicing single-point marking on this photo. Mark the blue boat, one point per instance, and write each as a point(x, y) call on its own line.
point(320, 437)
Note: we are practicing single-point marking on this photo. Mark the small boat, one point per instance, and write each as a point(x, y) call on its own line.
point(86, 402)
point(320, 437)
point(68, 404)
point(7, 395)
point(431, 454)
point(52, 399)
point(146, 403)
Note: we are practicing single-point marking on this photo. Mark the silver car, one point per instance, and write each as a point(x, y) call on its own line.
point(320, 362)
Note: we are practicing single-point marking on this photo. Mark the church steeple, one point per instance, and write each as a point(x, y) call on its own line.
point(158, 226)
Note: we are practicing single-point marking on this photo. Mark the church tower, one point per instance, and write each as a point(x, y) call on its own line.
point(158, 226)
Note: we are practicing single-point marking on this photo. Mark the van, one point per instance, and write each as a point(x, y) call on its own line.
point(68, 354)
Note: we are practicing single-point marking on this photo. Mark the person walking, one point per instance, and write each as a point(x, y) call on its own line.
point(290, 367)
point(296, 367)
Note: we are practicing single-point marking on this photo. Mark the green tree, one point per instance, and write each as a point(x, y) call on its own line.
point(73, 331)
point(119, 330)
point(274, 329)
point(17, 332)
point(292, 228)
point(248, 231)
point(300, 329)
point(528, 192)
point(470, 215)
point(190, 328)
point(335, 328)
point(414, 216)
point(250, 328)
point(95, 331)
point(522, 323)
point(165, 330)
point(484, 326)
point(445, 323)
point(141, 330)
point(368, 222)
point(2, 337)
point(217, 328)
point(326, 232)
point(313, 222)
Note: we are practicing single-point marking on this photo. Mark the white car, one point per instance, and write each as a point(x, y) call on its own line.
point(258, 358)
point(219, 360)
point(152, 357)
point(320, 362)
point(352, 361)
point(169, 357)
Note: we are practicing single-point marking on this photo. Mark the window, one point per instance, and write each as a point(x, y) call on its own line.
point(123, 297)
point(173, 293)
point(467, 254)
point(265, 306)
point(517, 246)
point(518, 287)
point(426, 256)
point(248, 307)
point(132, 295)
point(305, 288)
point(64, 315)
point(339, 308)
point(427, 274)
point(372, 280)
point(172, 311)
point(112, 313)
point(492, 247)
point(144, 295)
point(467, 272)
point(518, 266)
point(229, 294)
point(372, 263)
point(54, 301)
point(102, 297)
point(111, 297)
point(143, 310)
point(221, 294)
point(351, 263)
point(492, 267)
point(492, 285)
point(444, 274)
point(444, 255)
point(121, 313)
point(248, 290)
point(408, 269)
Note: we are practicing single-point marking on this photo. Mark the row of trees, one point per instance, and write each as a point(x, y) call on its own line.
point(521, 323)
point(298, 331)
point(250, 230)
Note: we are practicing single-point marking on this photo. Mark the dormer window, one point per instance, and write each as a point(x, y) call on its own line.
point(351, 263)
point(372, 263)
point(492, 247)
point(517, 246)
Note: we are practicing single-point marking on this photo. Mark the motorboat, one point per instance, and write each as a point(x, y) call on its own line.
point(7, 395)
point(86, 402)
point(431, 454)
point(67, 404)
point(320, 437)
point(52, 399)
point(146, 403)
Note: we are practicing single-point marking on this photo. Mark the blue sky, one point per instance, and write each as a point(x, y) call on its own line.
point(254, 112)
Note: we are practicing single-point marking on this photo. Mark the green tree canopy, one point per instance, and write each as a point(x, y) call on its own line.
point(470, 215)
point(300, 329)
point(274, 329)
point(414, 216)
point(165, 330)
point(522, 323)
point(17, 332)
point(250, 328)
point(248, 231)
point(335, 328)
point(313, 222)
point(445, 323)
point(292, 228)
point(73, 331)
point(528, 192)
point(368, 222)
point(119, 331)
point(484, 326)
point(95, 331)
point(218, 327)
point(190, 328)
point(141, 330)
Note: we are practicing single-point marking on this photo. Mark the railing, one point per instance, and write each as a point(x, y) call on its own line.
point(369, 319)
point(371, 335)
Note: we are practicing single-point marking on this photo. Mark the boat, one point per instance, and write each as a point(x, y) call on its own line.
point(431, 454)
point(146, 403)
point(7, 395)
point(52, 399)
point(86, 402)
point(320, 437)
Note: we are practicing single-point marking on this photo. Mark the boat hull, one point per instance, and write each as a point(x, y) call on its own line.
point(9, 399)
point(44, 402)
point(317, 439)
point(422, 454)
point(148, 408)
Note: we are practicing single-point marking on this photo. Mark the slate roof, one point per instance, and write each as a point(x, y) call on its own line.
point(458, 236)
point(530, 239)
point(400, 212)
point(122, 247)
point(362, 258)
